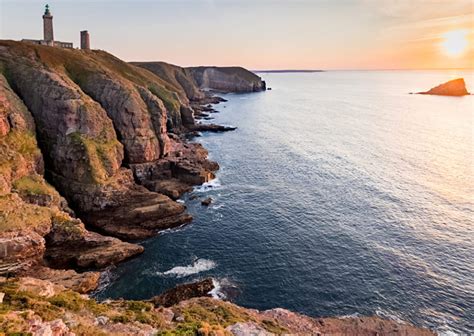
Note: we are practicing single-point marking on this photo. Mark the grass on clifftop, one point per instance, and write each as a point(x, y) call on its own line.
point(79, 65)
point(200, 317)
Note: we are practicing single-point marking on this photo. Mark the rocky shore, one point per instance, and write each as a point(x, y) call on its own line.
point(40, 307)
point(93, 155)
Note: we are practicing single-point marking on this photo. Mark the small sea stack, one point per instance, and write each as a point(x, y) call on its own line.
point(455, 87)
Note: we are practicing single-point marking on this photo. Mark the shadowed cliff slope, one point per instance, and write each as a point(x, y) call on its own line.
point(194, 79)
point(227, 79)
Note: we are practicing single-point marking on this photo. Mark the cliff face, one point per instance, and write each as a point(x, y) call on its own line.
point(35, 223)
point(227, 79)
point(97, 115)
point(190, 81)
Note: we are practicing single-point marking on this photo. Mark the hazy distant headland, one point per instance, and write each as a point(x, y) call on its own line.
point(287, 71)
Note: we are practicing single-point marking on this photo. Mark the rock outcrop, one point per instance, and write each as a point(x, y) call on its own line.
point(30, 305)
point(184, 292)
point(455, 87)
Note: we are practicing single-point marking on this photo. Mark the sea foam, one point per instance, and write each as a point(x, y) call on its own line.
point(216, 292)
point(211, 185)
point(200, 265)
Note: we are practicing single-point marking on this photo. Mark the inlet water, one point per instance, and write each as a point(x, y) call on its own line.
point(338, 194)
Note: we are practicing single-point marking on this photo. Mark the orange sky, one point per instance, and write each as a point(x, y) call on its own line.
point(260, 34)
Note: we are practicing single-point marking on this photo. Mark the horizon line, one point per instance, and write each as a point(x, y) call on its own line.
point(357, 69)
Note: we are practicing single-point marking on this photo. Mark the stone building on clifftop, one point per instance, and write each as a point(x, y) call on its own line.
point(48, 34)
point(85, 40)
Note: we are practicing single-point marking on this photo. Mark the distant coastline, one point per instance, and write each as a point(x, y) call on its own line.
point(287, 71)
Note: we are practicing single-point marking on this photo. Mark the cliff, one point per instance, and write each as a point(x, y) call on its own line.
point(227, 79)
point(102, 125)
point(194, 79)
point(181, 78)
point(36, 227)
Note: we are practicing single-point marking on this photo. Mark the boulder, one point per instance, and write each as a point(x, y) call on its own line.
point(184, 292)
point(211, 128)
point(207, 201)
point(248, 328)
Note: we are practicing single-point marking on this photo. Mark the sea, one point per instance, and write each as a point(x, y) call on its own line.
point(339, 194)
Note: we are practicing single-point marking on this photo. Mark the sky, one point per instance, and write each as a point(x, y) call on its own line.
point(262, 34)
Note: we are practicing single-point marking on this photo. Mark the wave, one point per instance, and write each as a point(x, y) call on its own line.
point(200, 265)
point(447, 333)
point(224, 289)
point(216, 292)
point(107, 277)
point(211, 185)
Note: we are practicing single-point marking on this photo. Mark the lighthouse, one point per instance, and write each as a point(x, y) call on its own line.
point(48, 35)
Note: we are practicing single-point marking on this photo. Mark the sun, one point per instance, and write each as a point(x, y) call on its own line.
point(454, 43)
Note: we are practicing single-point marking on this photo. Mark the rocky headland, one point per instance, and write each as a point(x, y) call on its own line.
point(93, 155)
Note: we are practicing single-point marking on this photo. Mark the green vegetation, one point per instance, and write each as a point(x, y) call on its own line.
point(17, 215)
point(72, 227)
point(170, 99)
point(200, 317)
point(69, 303)
point(34, 185)
point(100, 156)
point(203, 316)
point(17, 148)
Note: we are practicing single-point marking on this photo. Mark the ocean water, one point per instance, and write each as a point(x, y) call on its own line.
point(338, 194)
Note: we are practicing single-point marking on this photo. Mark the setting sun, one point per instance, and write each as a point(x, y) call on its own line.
point(454, 43)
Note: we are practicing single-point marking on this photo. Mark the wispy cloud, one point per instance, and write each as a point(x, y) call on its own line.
point(410, 10)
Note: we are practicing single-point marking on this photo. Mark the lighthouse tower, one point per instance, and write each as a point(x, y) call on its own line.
point(48, 27)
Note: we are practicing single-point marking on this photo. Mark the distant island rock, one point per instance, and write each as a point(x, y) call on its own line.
point(455, 87)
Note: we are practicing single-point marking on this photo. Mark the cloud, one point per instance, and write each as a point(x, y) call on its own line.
point(420, 9)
